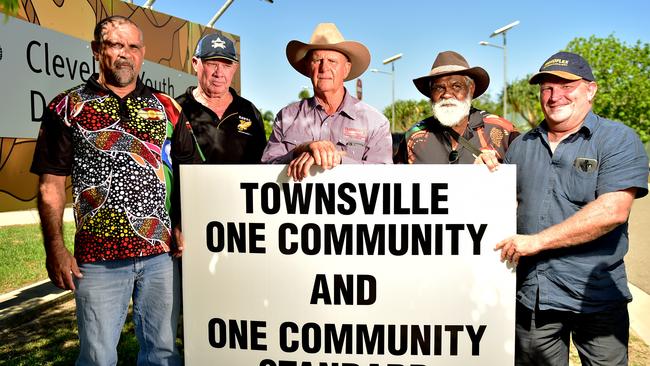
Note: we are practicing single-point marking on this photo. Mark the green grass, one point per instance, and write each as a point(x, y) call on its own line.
point(51, 338)
point(22, 256)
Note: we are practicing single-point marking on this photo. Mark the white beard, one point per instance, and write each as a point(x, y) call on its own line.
point(451, 115)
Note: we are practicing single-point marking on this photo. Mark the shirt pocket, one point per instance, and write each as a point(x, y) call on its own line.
point(582, 182)
point(354, 148)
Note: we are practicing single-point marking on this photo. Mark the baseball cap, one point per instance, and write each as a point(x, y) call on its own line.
point(565, 65)
point(216, 45)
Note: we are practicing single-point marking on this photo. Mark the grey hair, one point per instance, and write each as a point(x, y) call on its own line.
point(100, 28)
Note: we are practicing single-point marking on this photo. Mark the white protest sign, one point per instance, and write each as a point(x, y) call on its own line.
point(369, 265)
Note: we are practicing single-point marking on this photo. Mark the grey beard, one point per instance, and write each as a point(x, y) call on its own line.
point(451, 116)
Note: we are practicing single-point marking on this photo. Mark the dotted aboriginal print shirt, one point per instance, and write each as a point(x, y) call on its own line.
point(119, 152)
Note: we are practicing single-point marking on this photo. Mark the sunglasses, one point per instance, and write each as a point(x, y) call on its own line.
point(453, 156)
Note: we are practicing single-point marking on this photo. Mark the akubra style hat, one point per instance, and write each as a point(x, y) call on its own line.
point(327, 37)
point(452, 63)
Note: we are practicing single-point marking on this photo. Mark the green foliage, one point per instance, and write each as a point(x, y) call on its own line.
point(268, 117)
point(9, 7)
point(486, 103)
point(22, 254)
point(523, 99)
point(304, 94)
point(408, 113)
point(623, 75)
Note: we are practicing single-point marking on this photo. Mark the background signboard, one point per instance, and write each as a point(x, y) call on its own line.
point(360, 265)
point(38, 63)
point(45, 49)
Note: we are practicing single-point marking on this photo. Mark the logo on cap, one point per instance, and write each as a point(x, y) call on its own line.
point(556, 62)
point(218, 43)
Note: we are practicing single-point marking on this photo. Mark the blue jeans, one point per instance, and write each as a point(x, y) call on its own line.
point(103, 295)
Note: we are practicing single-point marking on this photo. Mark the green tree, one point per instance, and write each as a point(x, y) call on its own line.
point(486, 103)
point(268, 117)
point(304, 94)
point(622, 72)
point(9, 7)
point(523, 99)
point(407, 113)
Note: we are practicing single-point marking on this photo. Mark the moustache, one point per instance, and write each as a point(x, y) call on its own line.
point(449, 102)
point(121, 64)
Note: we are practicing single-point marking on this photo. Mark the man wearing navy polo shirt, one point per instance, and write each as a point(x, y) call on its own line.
point(577, 176)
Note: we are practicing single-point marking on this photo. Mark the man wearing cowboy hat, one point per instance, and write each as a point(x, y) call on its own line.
point(456, 133)
point(332, 127)
point(577, 176)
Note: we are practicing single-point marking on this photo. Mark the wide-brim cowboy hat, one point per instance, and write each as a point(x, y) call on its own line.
point(452, 63)
point(327, 37)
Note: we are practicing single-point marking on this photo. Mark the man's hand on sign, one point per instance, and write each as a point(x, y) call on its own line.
point(518, 246)
point(488, 158)
point(322, 153)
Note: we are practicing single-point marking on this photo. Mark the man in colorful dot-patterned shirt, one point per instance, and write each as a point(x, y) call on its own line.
point(117, 138)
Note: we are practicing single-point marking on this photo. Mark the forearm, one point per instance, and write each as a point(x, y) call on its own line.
point(51, 203)
point(591, 222)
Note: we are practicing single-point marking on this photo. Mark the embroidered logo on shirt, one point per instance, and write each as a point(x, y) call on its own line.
point(355, 133)
point(151, 114)
point(244, 124)
point(218, 43)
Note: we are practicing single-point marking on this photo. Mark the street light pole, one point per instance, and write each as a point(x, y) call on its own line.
point(148, 4)
point(392, 112)
point(223, 9)
point(390, 61)
point(503, 30)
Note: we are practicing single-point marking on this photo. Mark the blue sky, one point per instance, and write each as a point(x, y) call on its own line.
point(419, 29)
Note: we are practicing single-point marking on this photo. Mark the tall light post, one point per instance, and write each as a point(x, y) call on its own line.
point(223, 9)
point(390, 61)
point(502, 31)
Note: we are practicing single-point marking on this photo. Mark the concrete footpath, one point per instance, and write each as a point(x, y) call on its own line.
point(23, 304)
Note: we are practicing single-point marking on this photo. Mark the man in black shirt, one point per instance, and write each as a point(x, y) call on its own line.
point(228, 128)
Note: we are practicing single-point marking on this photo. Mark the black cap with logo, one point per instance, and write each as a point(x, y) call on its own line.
point(216, 45)
point(565, 65)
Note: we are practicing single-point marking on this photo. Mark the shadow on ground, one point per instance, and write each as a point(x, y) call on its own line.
point(51, 339)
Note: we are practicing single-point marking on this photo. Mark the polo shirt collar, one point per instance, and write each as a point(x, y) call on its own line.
point(346, 108)
point(589, 125)
point(94, 85)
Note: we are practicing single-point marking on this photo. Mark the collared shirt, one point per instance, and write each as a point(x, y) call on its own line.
point(236, 138)
point(601, 157)
point(356, 128)
point(119, 152)
point(429, 142)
